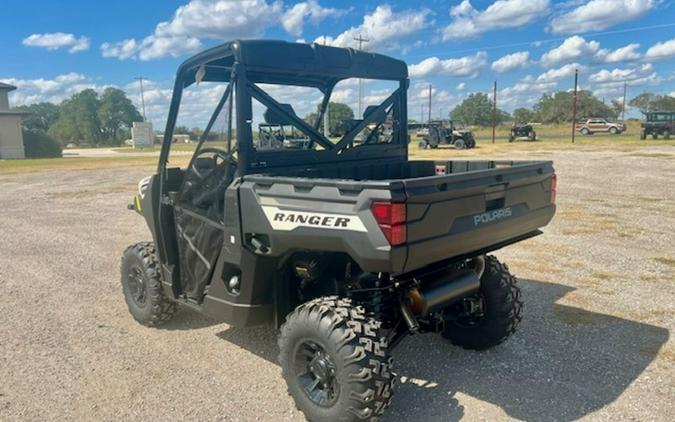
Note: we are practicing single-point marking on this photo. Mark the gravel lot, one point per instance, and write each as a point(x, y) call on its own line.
point(599, 291)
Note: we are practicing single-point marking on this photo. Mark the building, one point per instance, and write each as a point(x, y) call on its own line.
point(11, 137)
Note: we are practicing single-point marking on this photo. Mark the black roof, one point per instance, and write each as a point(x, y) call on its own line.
point(7, 87)
point(289, 63)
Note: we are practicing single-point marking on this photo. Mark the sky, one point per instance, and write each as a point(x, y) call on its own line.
point(52, 49)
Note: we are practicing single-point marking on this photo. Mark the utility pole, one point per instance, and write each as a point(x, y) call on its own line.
point(429, 118)
point(574, 105)
point(326, 128)
point(422, 114)
point(140, 80)
point(361, 40)
point(494, 112)
point(623, 107)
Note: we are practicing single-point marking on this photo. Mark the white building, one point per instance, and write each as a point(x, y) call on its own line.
point(11, 137)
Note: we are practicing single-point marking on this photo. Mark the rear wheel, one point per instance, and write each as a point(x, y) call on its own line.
point(585, 132)
point(422, 145)
point(613, 130)
point(655, 135)
point(142, 286)
point(335, 361)
point(491, 316)
point(666, 134)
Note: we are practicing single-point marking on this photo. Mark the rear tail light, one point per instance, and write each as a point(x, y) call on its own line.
point(554, 188)
point(391, 217)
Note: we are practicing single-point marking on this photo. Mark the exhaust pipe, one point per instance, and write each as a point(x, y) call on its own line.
point(442, 293)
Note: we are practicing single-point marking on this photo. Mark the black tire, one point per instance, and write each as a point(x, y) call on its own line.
point(501, 314)
point(511, 138)
point(655, 135)
point(338, 338)
point(422, 145)
point(142, 286)
point(643, 135)
point(666, 134)
point(585, 132)
point(459, 143)
point(613, 130)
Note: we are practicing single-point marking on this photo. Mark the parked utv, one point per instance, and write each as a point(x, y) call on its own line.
point(658, 124)
point(346, 247)
point(445, 133)
point(524, 132)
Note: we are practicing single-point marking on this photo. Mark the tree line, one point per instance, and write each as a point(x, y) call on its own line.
point(86, 117)
point(477, 108)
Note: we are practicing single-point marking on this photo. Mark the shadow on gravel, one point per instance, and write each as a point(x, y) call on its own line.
point(563, 363)
point(187, 319)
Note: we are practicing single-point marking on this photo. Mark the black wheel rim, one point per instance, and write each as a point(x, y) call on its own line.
point(136, 284)
point(316, 373)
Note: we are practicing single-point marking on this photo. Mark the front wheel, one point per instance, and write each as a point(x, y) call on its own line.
point(335, 361)
point(142, 286)
point(613, 130)
point(459, 143)
point(585, 132)
point(491, 316)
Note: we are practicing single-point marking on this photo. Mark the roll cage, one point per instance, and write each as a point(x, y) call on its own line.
point(247, 64)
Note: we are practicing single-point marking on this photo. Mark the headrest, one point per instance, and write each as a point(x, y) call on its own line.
point(274, 118)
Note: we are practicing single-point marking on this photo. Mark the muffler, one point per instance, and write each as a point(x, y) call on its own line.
point(444, 292)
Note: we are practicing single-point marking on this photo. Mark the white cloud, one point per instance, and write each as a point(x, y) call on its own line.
point(461, 86)
point(573, 48)
point(50, 90)
point(384, 28)
point(661, 50)
point(597, 15)
point(576, 48)
point(212, 19)
point(56, 40)
point(294, 18)
point(566, 71)
point(511, 62)
point(623, 54)
point(468, 66)
point(468, 22)
point(525, 92)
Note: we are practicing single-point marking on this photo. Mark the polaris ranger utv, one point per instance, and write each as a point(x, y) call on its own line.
point(346, 247)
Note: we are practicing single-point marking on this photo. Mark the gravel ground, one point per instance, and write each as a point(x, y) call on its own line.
point(599, 290)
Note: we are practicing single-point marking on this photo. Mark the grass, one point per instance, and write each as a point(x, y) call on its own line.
point(665, 261)
point(66, 164)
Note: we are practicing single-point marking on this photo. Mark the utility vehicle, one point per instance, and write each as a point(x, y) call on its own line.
point(522, 132)
point(346, 247)
point(658, 123)
point(446, 133)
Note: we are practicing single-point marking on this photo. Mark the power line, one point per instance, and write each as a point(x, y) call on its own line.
point(550, 40)
point(361, 40)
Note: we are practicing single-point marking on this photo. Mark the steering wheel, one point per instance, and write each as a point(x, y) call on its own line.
point(215, 180)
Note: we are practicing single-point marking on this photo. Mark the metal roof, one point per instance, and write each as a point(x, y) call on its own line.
point(7, 87)
point(283, 62)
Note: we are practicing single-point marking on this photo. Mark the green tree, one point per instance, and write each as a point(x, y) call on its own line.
point(38, 144)
point(41, 116)
point(339, 117)
point(476, 109)
point(648, 101)
point(115, 113)
point(523, 115)
point(557, 107)
point(78, 119)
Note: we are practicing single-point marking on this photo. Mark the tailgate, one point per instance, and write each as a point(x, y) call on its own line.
point(475, 206)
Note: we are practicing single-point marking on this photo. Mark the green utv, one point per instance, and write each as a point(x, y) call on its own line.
point(347, 247)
